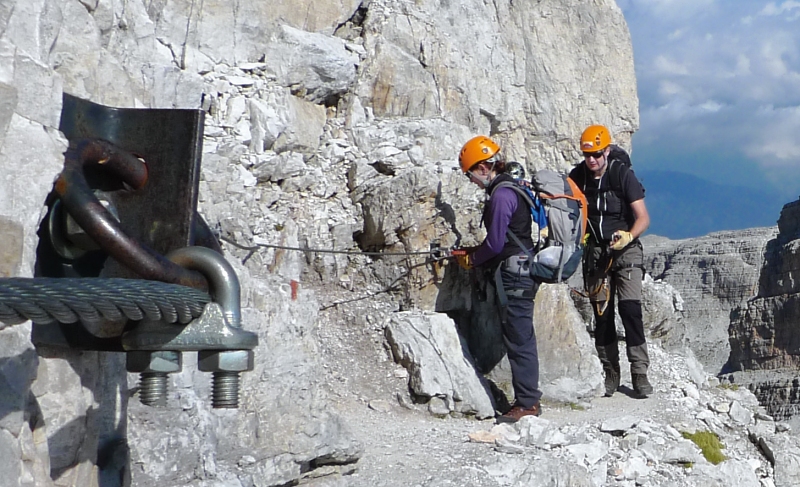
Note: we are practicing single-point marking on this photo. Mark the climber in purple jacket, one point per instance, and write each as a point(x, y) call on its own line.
point(505, 212)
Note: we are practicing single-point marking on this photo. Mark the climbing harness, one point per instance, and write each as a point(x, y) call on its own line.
point(607, 261)
point(602, 287)
point(591, 271)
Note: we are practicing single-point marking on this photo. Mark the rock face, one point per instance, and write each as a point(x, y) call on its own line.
point(713, 275)
point(740, 304)
point(763, 333)
point(329, 124)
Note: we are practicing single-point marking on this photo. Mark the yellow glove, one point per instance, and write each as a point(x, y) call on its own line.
point(621, 239)
point(463, 259)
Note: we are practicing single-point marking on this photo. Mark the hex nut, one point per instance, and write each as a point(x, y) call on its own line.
point(225, 360)
point(163, 361)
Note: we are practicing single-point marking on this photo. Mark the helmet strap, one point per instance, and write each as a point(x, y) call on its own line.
point(493, 161)
point(485, 182)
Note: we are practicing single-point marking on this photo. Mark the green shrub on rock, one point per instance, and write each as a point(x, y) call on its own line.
point(709, 444)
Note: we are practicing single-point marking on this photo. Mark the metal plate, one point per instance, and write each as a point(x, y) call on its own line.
point(161, 214)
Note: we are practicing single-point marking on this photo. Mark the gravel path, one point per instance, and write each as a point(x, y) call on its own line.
point(406, 446)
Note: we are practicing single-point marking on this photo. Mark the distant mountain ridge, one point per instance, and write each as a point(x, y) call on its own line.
point(682, 205)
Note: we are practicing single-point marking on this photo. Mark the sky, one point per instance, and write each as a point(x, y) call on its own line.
point(719, 90)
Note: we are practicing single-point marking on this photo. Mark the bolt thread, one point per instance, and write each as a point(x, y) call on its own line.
point(153, 389)
point(225, 390)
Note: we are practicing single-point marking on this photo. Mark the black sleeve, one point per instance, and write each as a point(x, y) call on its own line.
point(632, 189)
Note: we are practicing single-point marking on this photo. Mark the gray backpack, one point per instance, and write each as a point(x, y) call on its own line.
point(557, 203)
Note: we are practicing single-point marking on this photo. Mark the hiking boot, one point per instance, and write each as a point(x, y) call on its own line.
point(612, 380)
point(518, 412)
point(641, 385)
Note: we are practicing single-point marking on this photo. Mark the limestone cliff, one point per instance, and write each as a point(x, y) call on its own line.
point(330, 124)
point(714, 274)
point(740, 303)
point(765, 345)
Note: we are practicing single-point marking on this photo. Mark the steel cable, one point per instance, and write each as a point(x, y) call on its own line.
point(92, 300)
point(255, 247)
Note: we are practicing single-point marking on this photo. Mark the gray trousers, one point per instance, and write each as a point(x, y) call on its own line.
point(625, 285)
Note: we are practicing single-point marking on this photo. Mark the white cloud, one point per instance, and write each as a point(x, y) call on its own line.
point(742, 65)
point(720, 71)
point(771, 9)
point(772, 56)
point(669, 89)
point(679, 112)
point(667, 66)
point(710, 106)
point(776, 141)
point(673, 9)
point(676, 34)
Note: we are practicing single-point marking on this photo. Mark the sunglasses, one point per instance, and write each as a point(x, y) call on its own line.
point(596, 155)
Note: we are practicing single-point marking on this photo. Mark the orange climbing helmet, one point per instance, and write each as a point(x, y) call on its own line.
point(477, 149)
point(595, 138)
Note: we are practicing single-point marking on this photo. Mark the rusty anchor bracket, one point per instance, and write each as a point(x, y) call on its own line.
point(126, 197)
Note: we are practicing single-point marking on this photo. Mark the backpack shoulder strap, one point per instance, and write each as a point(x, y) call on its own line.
point(517, 189)
point(619, 164)
point(616, 173)
point(584, 205)
point(528, 201)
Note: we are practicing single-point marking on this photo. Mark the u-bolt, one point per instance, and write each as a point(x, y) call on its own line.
point(226, 365)
point(223, 284)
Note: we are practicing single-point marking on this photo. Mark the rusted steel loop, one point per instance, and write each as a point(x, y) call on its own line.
point(79, 200)
point(122, 164)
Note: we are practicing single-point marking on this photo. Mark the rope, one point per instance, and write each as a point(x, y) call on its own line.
point(367, 295)
point(600, 305)
point(93, 300)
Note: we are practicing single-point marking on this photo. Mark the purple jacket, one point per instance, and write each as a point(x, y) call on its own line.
point(502, 206)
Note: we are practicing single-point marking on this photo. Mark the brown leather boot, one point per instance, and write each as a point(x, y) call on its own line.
point(518, 412)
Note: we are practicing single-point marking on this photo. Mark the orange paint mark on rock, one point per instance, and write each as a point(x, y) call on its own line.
point(295, 286)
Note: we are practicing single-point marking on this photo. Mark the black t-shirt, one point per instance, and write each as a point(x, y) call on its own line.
point(609, 201)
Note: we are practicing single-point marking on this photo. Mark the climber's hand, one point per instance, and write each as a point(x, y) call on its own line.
point(621, 239)
point(463, 257)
